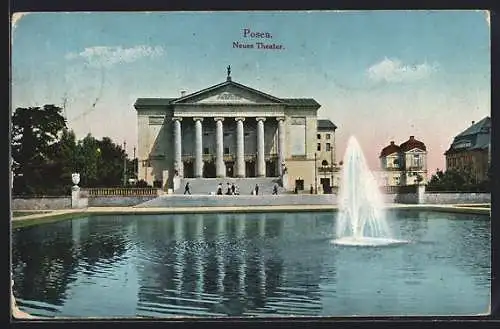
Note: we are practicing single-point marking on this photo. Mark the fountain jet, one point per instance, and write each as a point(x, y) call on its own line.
point(361, 219)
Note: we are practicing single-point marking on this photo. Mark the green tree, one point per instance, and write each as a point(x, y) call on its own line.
point(100, 162)
point(35, 130)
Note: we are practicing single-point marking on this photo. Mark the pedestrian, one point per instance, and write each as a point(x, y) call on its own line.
point(228, 191)
point(233, 189)
point(256, 189)
point(219, 189)
point(312, 189)
point(187, 189)
point(275, 189)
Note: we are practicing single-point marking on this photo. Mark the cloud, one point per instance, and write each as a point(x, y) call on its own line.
point(393, 70)
point(108, 56)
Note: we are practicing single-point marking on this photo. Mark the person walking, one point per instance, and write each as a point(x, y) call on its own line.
point(256, 189)
point(275, 189)
point(219, 189)
point(187, 189)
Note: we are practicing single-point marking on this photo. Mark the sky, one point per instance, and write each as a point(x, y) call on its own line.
point(379, 75)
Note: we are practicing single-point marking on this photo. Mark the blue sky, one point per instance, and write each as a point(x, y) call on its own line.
point(379, 75)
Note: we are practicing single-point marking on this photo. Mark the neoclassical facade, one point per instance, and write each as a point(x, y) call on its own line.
point(227, 130)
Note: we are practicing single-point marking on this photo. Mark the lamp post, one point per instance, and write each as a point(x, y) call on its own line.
point(315, 173)
point(124, 163)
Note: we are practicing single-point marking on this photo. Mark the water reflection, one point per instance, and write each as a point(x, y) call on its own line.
point(242, 264)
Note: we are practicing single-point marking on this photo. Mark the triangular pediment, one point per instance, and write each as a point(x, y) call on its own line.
point(415, 150)
point(228, 93)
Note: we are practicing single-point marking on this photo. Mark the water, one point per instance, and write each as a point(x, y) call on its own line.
point(275, 264)
point(361, 218)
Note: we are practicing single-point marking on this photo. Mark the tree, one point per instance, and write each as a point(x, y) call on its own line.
point(455, 180)
point(35, 130)
point(100, 162)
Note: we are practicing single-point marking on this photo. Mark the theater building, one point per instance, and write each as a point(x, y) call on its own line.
point(227, 130)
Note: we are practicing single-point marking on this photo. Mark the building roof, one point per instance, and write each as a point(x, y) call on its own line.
point(390, 149)
point(324, 124)
point(479, 127)
point(476, 137)
point(412, 143)
point(295, 102)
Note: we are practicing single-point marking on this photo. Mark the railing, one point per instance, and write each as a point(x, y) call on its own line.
point(120, 191)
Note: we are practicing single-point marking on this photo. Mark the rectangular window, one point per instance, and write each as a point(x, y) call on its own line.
point(206, 150)
point(319, 147)
point(328, 147)
point(318, 136)
point(327, 136)
point(226, 150)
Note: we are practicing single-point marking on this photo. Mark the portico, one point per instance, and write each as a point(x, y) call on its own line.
point(232, 150)
point(226, 130)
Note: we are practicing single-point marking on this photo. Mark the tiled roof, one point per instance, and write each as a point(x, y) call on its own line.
point(412, 143)
point(390, 149)
point(326, 125)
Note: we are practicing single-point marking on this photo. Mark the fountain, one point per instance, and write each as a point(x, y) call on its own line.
point(361, 219)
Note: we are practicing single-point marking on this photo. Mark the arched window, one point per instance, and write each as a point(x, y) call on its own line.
point(324, 163)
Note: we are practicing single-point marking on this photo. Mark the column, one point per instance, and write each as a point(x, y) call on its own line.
point(240, 148)
point(178, 165)
point(198, 162)
point(261, 160)
point(220, 168)
point(281, 145)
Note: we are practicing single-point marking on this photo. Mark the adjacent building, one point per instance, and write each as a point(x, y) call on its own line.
point(404, 164)
point(471, 150)
point(326, 156)
point(231, 130)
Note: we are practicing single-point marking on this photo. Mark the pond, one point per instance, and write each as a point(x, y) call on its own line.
point(253, 264)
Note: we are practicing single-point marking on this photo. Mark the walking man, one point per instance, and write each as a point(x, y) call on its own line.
point(187, 189)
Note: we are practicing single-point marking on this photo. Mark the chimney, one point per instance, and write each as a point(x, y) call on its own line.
point(473, 122)
point(183, 93)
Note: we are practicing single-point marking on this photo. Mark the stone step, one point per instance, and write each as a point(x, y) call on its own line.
point(245, 185)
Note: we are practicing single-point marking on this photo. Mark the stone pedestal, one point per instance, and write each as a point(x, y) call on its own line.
point(177, 183)
point(421, 194)
point(285, 182)
point(75, 197)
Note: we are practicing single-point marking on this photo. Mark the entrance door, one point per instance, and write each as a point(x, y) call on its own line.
point(249, 169)
point(229, 169)
point(325, 183)
point(209, 169)
point(188, 169)
point(271, 168)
